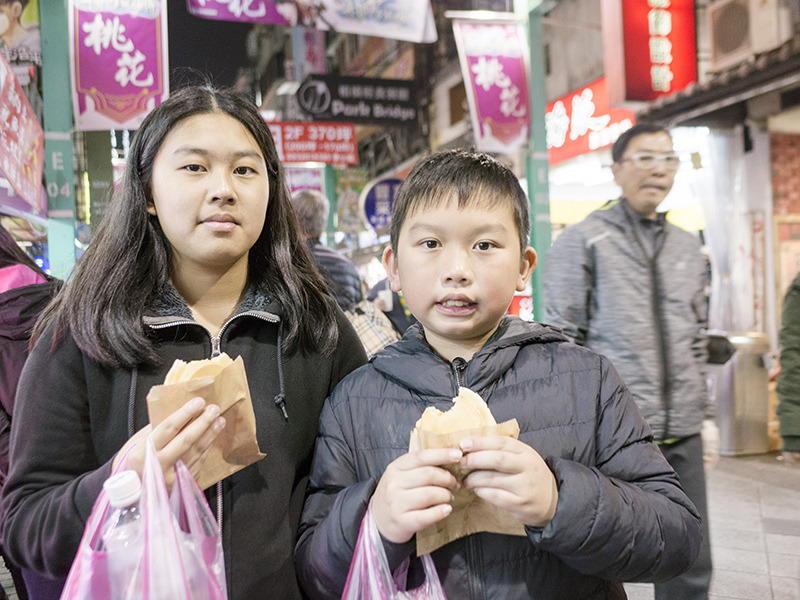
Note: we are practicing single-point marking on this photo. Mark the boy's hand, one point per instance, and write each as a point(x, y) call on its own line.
point(414, 492)
point(510, 474)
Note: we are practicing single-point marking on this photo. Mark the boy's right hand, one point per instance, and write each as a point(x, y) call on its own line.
point(414, 492)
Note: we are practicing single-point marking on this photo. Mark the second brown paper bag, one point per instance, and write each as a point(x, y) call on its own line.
point(236, 446)
point(471, 514)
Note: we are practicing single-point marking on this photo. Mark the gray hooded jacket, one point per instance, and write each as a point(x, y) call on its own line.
point(642, 308)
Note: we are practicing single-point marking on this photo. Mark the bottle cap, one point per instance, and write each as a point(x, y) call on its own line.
point(123, 488)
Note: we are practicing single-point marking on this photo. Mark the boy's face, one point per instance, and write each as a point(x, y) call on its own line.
point(458, 269)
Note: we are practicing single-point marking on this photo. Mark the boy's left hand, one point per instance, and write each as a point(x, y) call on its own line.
point(511, 475)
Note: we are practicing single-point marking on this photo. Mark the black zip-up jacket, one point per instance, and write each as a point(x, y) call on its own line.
point(621, 514)
point(73, 415)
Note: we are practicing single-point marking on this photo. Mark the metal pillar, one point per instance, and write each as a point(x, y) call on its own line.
point(536, 162)
point(58, 152)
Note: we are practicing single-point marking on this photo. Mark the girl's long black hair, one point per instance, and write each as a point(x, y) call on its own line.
point(128, 263)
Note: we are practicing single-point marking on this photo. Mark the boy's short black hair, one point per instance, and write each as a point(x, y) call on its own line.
point(471, 177)
point(619, 147)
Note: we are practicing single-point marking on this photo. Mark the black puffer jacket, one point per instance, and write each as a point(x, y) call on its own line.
point(73, 415)
point(621, 514)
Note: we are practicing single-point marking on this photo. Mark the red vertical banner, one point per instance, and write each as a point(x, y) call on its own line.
point(21, 140)
point(660, 47)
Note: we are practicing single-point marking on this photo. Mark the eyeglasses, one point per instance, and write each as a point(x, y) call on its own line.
point(649, 160)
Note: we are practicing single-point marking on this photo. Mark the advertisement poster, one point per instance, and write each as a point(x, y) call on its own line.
point(303, 141)
point(349, 184)
point(118, 61)
point(494, 63)
point(21, 44)
point(409, 20)
point(21, 145)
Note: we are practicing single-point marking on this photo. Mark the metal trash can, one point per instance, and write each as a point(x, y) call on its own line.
point(740, 390)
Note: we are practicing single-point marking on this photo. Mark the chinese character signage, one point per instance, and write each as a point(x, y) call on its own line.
point(494, 62)
point(305, 178)
point(660, 53)
point(330, 143)
point(583, 121)
point(377, 199)
point(358, 99)
point(409, 20)
point(118, 60)
point(21, 142)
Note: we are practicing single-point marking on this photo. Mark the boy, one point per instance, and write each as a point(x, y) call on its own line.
point(599, 502)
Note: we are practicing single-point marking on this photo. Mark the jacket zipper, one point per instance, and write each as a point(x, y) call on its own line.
point(658, 316)
point(458, 365)
point(216, 344)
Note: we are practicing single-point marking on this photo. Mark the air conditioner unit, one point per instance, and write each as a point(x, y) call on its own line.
point(739, 29)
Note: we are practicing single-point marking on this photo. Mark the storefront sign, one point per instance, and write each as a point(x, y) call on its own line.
point(358, 99)
point(118, 61)
point(330, 143)
point(583, 121)
point(376, 200)
point(410, 20)
point(21, 141)
point(649, 47)
point(494, 62)
point(660, 54)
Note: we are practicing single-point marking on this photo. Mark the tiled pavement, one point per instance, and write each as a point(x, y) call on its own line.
point(754, 505)
point(754, 517)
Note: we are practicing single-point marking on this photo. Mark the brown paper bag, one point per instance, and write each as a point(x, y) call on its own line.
point(236, 446)
point(471, 514)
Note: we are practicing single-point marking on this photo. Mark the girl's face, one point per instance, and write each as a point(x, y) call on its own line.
point(210, 192)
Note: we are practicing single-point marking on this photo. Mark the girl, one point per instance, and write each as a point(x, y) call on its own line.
point(199, 254)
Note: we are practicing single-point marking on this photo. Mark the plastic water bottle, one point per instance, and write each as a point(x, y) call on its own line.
point(122, 538)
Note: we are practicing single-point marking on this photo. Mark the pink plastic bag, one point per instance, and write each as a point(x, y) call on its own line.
point(370, 579)
point(181, 557)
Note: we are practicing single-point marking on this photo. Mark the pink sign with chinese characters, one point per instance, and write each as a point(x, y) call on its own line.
point(494, 62)
point(21, 140)
point(118, 61)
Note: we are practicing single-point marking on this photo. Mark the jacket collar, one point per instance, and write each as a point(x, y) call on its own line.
point(413, 364)
point(169, 305)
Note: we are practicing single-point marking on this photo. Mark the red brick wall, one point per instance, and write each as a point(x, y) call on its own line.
point(785, 152)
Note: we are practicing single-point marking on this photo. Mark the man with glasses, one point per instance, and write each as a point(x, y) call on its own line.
point(629, 285)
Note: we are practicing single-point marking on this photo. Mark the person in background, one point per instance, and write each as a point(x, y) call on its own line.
point(25, 290)
point(599, 503)
point(198, 253)
point(312, 208)
point(789, 377)
point(630, 286)
point(393, 304)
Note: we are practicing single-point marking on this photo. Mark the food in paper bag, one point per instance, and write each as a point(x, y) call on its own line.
point(469, 417)
point(219, 381)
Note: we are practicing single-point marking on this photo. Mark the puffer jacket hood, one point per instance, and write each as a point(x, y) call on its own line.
point(20, 307)
point(434, 377)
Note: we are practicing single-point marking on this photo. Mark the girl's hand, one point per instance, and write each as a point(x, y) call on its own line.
point(414, 492)
point(174, 439)
point(512, 475)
